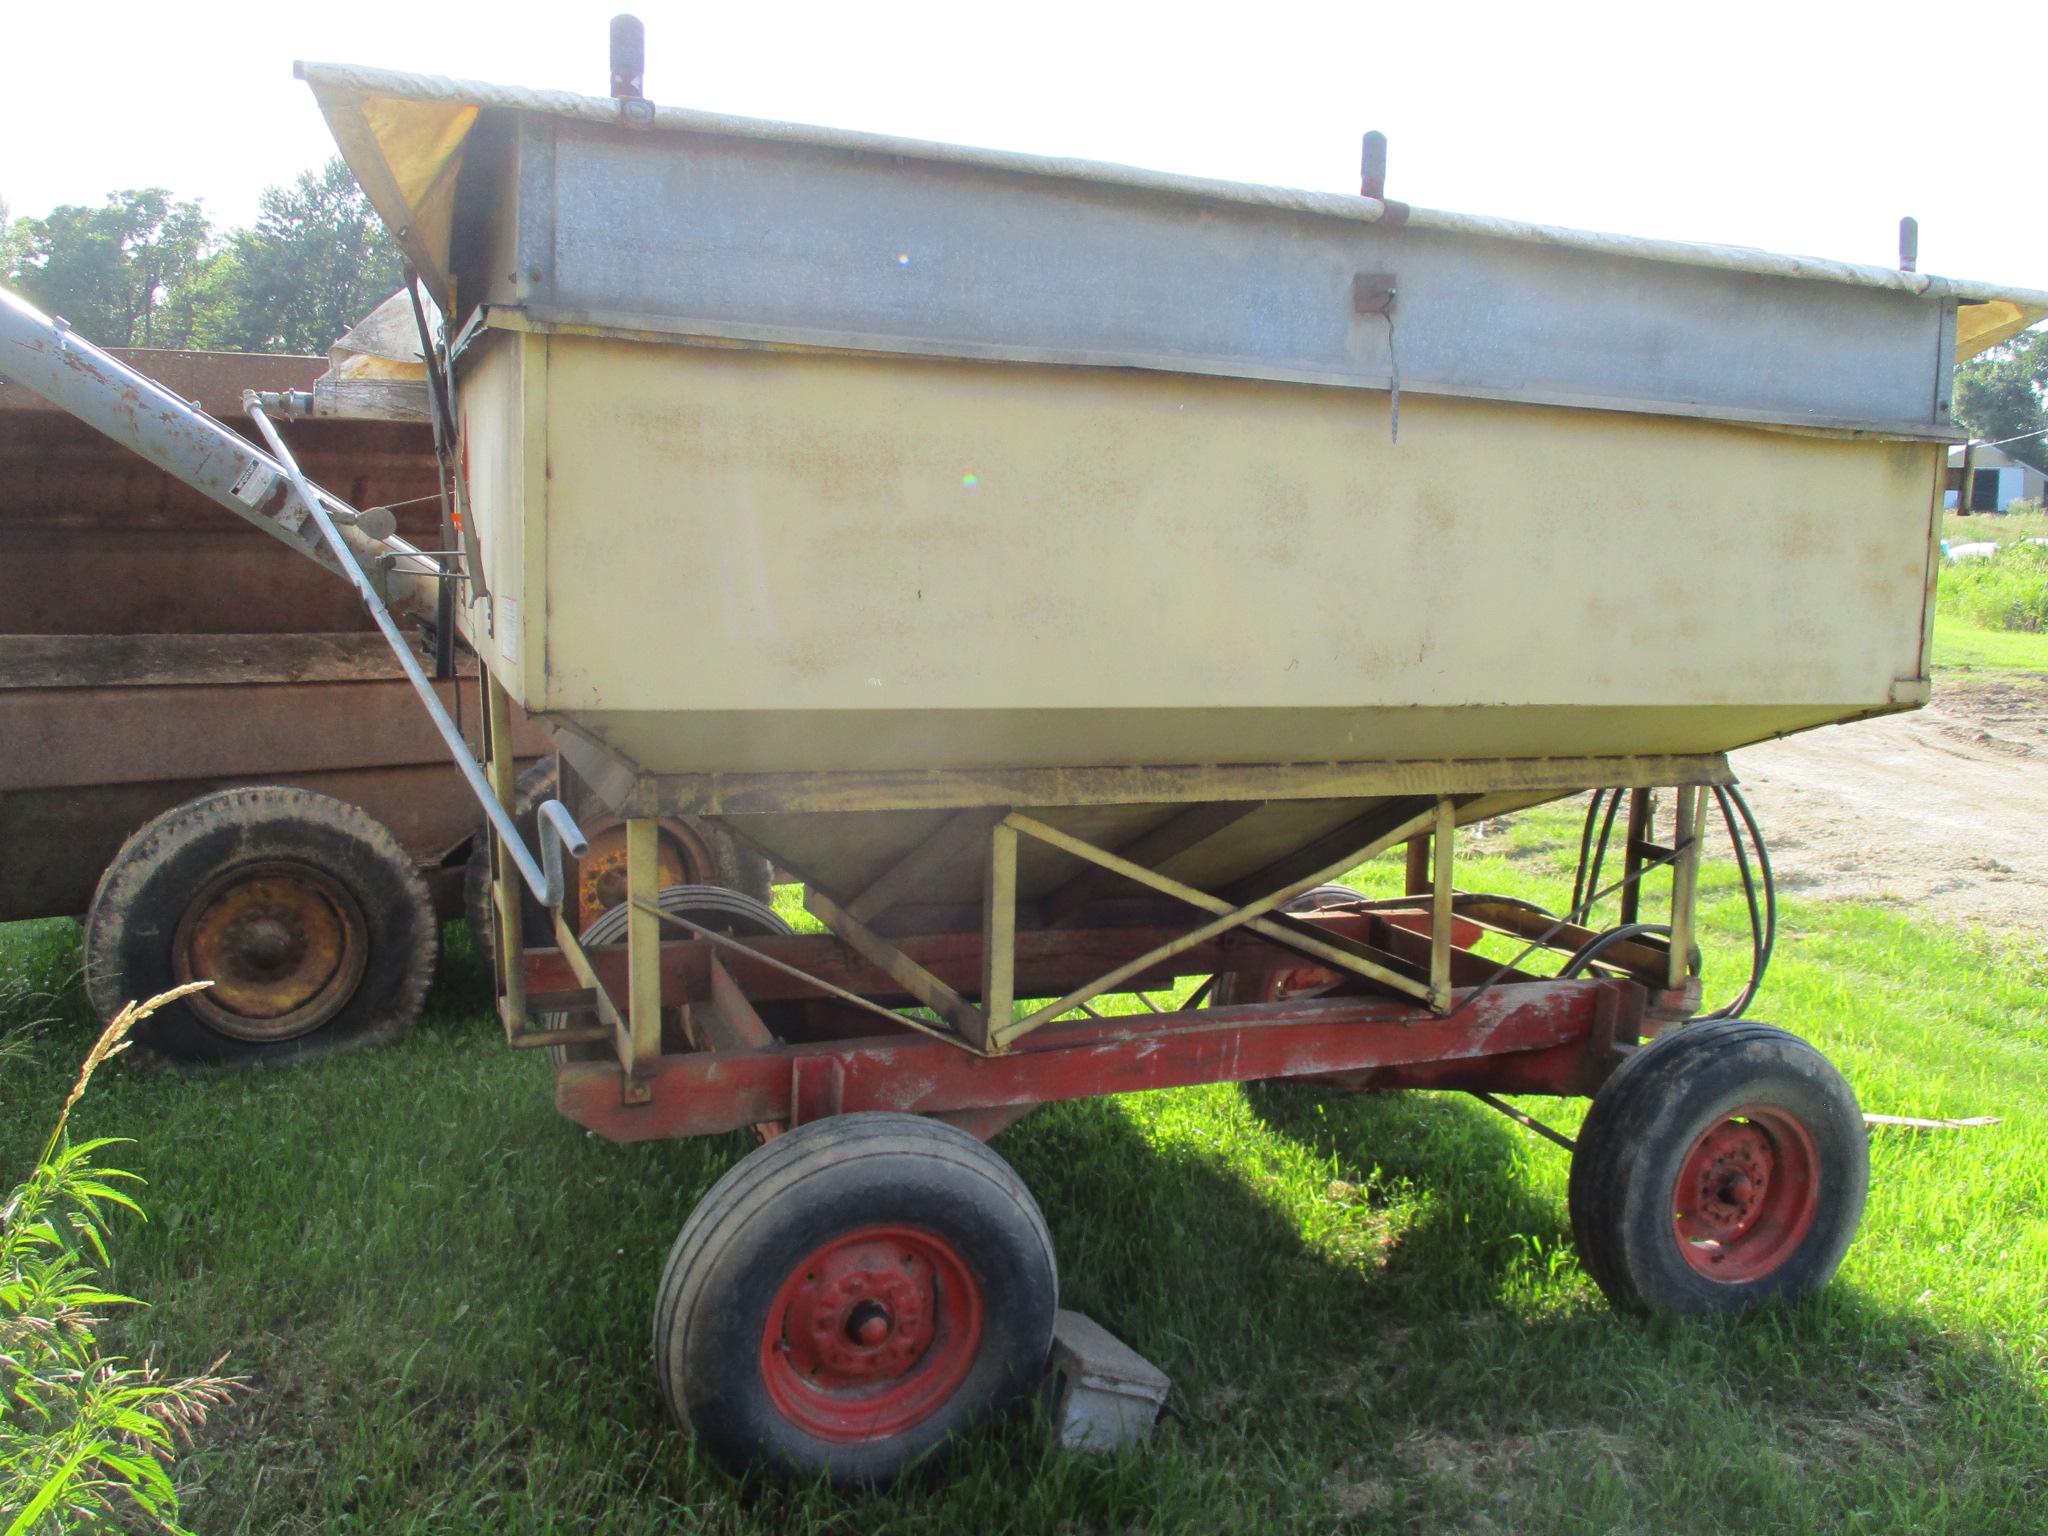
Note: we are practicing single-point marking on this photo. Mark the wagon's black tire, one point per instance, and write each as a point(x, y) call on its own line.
point(1723, 1165)
point(852, 1298)
point(713, 857)
point(304, 910)
point(732, 913)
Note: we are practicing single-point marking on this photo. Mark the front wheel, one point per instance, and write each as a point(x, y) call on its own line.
point(1723, 1165)
point(853, 1297)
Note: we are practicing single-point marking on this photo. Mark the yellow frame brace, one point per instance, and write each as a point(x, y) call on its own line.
point(643, 957)
point(1251, 915)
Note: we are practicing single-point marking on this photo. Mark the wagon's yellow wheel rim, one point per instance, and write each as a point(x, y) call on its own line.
point(283, 944)
point(601, 873)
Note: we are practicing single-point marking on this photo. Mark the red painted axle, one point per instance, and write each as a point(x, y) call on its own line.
point(1531, 1036)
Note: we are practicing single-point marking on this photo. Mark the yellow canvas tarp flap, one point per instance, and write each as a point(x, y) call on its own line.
point(407, 155)
point(1986, 323)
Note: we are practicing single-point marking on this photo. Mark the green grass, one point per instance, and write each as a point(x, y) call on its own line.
point(1369, 1307)
point(1962, 647)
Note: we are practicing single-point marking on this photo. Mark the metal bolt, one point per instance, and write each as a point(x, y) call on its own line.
point(868, 1324)
point(629, 57)
point(1372, 178)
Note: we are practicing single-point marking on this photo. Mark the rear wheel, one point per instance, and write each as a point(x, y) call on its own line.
point(688, 851)
point(732, 913)
point(302, 910)
point(853, 1297)
point(1304, 978)
point(1723, 1165)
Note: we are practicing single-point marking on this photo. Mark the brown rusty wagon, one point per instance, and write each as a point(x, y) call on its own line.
point(166, 671)
point(164, 665)
point(1065, 572)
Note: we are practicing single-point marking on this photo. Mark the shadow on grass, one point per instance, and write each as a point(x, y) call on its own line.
point(1847, 1402)
point(1477, 1227)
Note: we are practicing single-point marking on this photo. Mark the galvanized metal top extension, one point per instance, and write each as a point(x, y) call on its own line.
point(404, 134)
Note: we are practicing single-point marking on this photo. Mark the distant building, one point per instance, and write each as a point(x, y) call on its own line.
point(1997, 480)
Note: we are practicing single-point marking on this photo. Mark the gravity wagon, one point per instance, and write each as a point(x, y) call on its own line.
point(1066, 572)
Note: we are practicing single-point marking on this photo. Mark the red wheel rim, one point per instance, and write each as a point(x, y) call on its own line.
point(1302, 981)
point(1747, 1195)
point(1279, 986)
point(871, 1333)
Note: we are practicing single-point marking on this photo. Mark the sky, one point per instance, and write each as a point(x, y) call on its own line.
point(1794, 126)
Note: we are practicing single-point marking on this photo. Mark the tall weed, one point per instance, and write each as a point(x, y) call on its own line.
point(2005, 590)
point(87, 1439)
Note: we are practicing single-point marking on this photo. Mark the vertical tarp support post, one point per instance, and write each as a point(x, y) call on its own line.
point(502, 770)
point(1685, 882)
point(999, 934)
point(1440, 893)
point(1640, 819)
point(1440, 896)
point(1416, 882)
point(643, 955)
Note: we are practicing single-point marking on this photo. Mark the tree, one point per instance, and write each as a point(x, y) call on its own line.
point(13, 233)
point(317, 261)
point(109, 270)
point(2000, 394)
point(200, 310)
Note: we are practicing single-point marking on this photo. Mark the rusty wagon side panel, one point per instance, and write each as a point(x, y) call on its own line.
point(153, 647)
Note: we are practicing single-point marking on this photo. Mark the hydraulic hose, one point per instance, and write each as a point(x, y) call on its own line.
point(1759, 886)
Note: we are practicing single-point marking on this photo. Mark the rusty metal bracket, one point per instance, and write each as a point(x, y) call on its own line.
point(619, 1032)
point(1372, 293)
point(817, 1088)
point(712, 936)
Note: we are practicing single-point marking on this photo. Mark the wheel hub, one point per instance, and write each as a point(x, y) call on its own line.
point(871, 1333)
point(1734, 1173)
point(1746, 1195)
point(283, 944)
point(601, 872)
point(868, 1324)
point(863, 1322)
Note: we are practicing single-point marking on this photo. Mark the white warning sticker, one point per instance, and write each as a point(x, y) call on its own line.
point(505, 627)
point(254, 484)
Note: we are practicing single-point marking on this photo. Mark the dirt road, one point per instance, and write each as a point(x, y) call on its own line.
point(1944, 809)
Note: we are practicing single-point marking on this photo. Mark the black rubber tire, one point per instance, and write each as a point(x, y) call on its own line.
point(732, 913)
point(1644, 1122)
point(776, 1207)
point(143, 895)
point(1253, 986)
point(733, 865)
